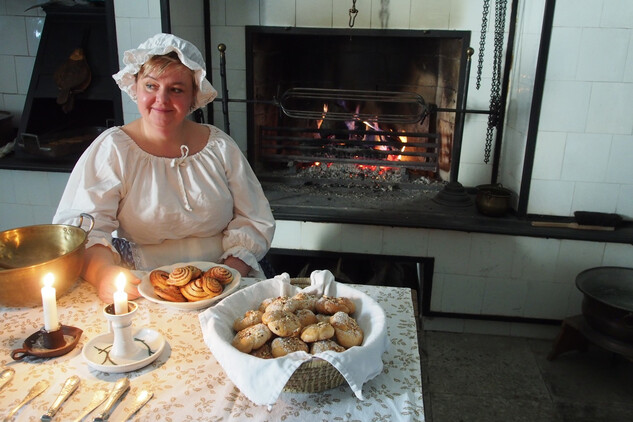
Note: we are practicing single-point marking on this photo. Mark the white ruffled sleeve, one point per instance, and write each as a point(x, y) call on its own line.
point(249, 235)
point(94, 187)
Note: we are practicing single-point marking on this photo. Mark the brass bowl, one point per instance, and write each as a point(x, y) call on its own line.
point(28, 253)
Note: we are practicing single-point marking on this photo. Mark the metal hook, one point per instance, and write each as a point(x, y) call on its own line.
point(352, 14)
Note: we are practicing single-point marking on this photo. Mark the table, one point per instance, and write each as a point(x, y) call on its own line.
point(187, 381)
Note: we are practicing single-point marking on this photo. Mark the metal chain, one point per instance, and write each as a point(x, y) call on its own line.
point(482, 41)
point(495, 88)
point(352, 14)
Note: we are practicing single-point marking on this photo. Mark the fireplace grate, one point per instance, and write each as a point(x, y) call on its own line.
point(298, 145)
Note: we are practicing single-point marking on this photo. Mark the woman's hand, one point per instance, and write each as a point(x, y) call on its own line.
point(101, 270)
point(106, 285)
point(238, 265)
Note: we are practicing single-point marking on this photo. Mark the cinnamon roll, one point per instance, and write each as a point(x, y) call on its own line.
point(222, 274)
point(199, 289)
point(180, 276)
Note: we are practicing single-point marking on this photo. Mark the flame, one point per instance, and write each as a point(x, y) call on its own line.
point(320, 122)
point(369, 136)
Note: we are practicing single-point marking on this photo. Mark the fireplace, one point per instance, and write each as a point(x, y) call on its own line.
point(352, 126)
point(376, 107)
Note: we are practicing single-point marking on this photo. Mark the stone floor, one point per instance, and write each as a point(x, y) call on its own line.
point(477, 377)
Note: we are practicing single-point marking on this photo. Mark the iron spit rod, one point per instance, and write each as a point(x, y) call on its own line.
point(225, 90)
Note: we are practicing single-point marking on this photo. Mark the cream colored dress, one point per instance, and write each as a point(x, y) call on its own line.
point(199, 207)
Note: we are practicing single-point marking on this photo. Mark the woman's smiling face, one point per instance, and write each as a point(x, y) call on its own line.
point(165, 99)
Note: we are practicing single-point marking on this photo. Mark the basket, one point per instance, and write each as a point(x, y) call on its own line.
point(316, 375)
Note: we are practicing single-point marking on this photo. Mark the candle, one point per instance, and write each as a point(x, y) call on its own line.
point(49, 304)
point(120, 297)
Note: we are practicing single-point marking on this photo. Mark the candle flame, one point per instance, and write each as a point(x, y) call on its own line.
point(120, 282)
point(49, 279)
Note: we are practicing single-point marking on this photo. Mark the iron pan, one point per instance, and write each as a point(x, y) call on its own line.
point(60, 143)
point(608, 300)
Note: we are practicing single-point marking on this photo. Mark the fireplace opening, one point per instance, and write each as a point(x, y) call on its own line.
point(379, 270)
point(368, 107)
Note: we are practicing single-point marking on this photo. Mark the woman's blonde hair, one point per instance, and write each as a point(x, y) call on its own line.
point(158, 64)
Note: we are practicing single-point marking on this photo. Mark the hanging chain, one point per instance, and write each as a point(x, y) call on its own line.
point(352, 14)
point(495, 88)
point(482, 41)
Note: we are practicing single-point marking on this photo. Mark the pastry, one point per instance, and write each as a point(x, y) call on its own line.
point(322, 317)
point(331, 305)
point(195, 271)
point(211, 286)
point(305, 301)
point(281, 346)
point(282, 303)
point(158, 278)
point(306, 317)
point(325, 345)
point(222, 274)
point(346, 330)
point(180, 276)
point(199, 289)
point(170, 293)
point(317, 332)
point(265, 303)
point(264, 352)
point(251, 338)
point(249, 318)
point(282, 323)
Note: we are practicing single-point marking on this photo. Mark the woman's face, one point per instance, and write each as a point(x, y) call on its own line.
point(165, 100)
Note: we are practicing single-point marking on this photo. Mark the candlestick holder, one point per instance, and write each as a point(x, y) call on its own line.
point(123, 348)
point(123, 345)
point(49, 343)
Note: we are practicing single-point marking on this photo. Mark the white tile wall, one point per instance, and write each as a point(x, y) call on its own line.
point(587, 97)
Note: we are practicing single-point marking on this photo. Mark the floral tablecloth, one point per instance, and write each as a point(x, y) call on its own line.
point(187, 381)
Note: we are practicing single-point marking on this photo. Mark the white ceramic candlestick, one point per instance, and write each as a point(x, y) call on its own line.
point(123, 345)
point(49, 304)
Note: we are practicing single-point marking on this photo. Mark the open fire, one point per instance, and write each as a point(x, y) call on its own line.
point(365, 105)
point(345, 140)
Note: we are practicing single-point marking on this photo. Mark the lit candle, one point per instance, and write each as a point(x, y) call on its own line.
point(49, 304)
point(120, 297)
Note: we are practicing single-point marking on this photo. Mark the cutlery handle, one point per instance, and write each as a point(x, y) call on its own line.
point(141, 400)
point(98, 398)
point(69, 387)
point(119, 388)
point(35, 391)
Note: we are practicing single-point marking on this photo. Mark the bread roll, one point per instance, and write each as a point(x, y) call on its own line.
point(331, 305)
point(282, 323)
point(251, 338)
point(281, 346)
point(346, 330)
point(316, 332)
point(249, 318)
point(325, 345)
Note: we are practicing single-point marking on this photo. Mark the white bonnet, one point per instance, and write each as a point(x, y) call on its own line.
point(161, 44)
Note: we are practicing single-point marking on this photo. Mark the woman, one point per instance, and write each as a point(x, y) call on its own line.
point(162, 188)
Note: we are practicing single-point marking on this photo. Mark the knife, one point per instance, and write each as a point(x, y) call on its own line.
point(142, 398)
point(35, 391)
point(118, 389)
point(6, 376)
point(68, 388)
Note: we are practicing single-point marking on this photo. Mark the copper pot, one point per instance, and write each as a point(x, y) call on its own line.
point(28, 253)
point(493, 200)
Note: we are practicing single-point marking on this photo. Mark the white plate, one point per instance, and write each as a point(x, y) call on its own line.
point(147, 290)
point(94, 352)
